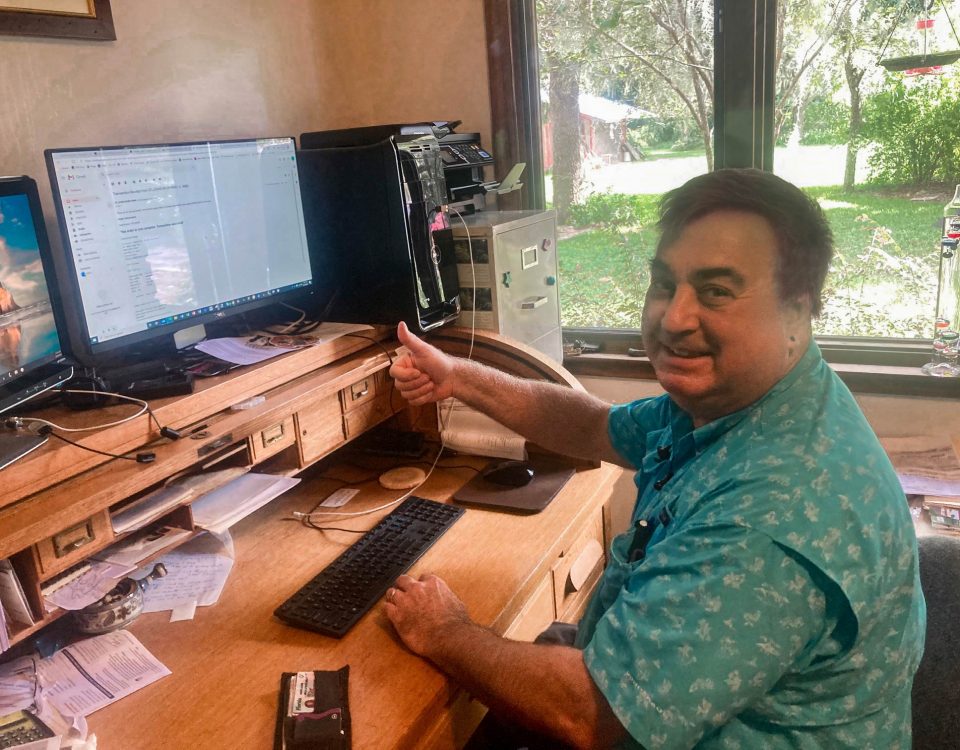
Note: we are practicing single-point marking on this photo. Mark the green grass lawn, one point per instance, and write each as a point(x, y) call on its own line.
point(882, 282)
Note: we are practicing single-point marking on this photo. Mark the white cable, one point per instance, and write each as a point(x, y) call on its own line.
point(297, 515)
point(473, 281)
point(298, 321)
point(300, 516)
point(144, 408)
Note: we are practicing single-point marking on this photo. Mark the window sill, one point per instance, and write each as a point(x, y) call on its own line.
point(860, 378)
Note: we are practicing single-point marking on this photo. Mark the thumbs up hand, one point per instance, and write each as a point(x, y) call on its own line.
point(423, 374)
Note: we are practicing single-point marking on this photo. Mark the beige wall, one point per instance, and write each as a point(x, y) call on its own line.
point(197, 69)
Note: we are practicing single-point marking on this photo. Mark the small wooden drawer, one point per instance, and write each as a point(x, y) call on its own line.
point(319, 429)
point(272, 439)
point(363, 391)
point(537, 613)
point(74, 543)
point(578, 569)
point(364, 417)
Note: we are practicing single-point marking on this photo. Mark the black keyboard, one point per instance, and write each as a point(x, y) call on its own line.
point(347, 588)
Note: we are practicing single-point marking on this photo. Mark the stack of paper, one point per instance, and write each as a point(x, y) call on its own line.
point(466, 430)
point(925, 465)
point(13, 600)
point(218, 510)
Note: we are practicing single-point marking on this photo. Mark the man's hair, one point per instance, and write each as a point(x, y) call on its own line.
point(804, 239)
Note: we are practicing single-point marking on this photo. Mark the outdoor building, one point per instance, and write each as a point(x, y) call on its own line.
point(603, 131)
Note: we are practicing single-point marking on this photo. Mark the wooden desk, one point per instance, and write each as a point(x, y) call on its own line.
point(226, 663)
point(514, 572)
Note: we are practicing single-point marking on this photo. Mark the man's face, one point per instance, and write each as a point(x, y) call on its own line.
point(714, 327)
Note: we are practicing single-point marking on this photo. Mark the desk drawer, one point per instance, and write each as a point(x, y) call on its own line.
point(69, 546)
point(371, 413)
point(363, 391)
point(272, 439)
point(319, 429)
point(537, 613)
point(578, 569)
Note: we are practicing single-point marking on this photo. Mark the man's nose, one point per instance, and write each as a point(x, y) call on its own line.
point(683, 311)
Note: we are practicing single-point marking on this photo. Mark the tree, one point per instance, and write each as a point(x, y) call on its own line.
point(564, 41)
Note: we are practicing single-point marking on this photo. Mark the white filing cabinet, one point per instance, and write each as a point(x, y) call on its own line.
point(514, 275)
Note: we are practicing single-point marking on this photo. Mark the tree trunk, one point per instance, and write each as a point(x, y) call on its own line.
point(565, 118)
point(853, 76)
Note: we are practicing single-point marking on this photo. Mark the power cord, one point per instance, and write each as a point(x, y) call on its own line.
point(47, 428)
point(145, 457)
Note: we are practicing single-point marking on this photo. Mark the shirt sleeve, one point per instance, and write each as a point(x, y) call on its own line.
point(701, 630)
point(629, 426)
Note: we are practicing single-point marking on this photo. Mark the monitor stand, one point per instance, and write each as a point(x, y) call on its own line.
point(14, 445)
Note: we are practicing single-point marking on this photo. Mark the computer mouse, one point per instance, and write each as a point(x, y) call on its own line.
point(509, 473)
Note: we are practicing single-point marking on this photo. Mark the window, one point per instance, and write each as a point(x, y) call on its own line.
point(673, 89)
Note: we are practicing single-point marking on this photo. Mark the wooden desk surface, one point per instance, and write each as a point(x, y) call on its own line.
point(226, 663)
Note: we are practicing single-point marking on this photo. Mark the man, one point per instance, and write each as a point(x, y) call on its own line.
point(769, 596)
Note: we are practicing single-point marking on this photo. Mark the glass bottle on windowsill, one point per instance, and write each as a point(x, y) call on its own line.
point(946, 352)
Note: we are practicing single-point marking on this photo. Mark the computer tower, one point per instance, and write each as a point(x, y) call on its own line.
point(512, 287)
point(374, 202)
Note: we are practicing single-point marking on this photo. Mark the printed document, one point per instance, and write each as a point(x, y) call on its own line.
point(925, 465)
point(93, 673)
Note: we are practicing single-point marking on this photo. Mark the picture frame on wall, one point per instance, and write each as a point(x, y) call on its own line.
point(65, 19)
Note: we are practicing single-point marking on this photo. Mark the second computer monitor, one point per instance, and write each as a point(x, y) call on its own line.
point(158, 238)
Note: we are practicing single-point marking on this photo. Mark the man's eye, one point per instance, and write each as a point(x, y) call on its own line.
point(715, 293)
point(661, 285)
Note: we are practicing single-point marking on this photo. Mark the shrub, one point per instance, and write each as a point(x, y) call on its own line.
point(825, 122)
point(615, 212)
point(915, 126)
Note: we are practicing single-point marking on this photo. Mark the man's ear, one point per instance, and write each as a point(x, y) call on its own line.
point(799, 309)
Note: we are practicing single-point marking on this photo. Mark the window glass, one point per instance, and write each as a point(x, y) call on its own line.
point(869, 127)
point(627, 93)
point(627, 109)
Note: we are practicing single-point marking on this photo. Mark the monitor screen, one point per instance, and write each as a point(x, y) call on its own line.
point(162, 237)
point(30, 352)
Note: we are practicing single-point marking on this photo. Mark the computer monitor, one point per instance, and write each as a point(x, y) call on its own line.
point(31, 356)
point(158, 238)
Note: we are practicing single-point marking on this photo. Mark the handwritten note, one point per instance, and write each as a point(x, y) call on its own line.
point(196, 575)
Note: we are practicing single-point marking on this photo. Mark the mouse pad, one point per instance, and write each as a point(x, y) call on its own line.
point(550, 474)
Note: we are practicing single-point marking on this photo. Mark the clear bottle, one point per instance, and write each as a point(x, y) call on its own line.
point(948, 289)
point(944, 362)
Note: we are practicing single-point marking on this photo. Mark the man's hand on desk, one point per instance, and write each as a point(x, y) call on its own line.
point(423, 611)
point(424, 374)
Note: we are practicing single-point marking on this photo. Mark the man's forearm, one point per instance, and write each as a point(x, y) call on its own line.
point(556, 417)
point(542, 687)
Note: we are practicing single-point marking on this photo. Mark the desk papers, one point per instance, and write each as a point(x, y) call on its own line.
point(196, 575)
point(925, 465)
point(90, 674)
point(14, 601)
point(88, 587)
point(248, 350)
point(218, 510)
point(466, 430)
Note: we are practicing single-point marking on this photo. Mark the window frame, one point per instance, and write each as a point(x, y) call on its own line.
point(743, 137)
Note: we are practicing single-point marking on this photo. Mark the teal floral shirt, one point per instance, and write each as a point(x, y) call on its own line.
point(777, 602)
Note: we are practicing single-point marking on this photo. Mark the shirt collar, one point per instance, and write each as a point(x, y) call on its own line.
point(681, 435)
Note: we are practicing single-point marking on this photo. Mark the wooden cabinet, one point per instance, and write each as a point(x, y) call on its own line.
point(515, 573)
point(319, 428)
